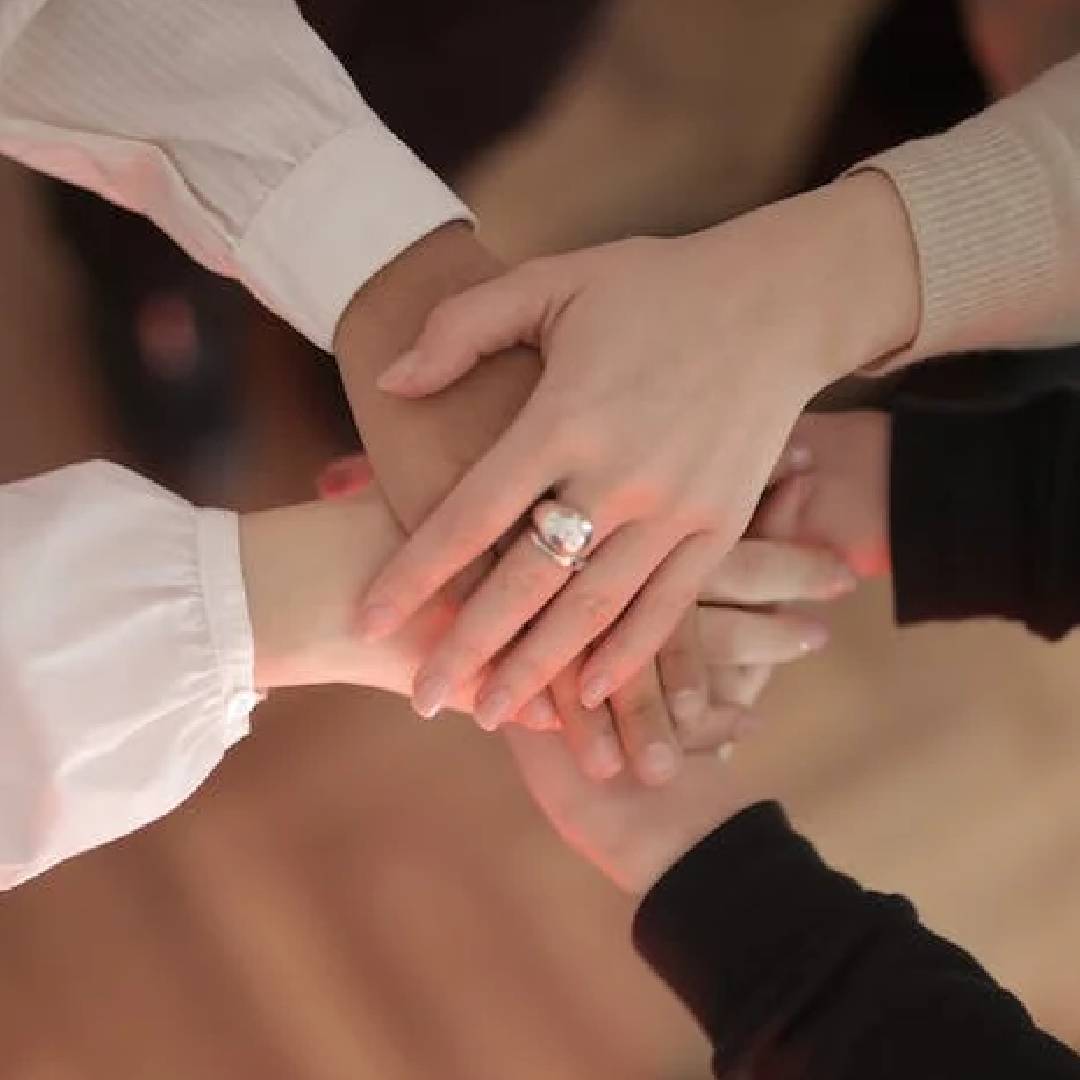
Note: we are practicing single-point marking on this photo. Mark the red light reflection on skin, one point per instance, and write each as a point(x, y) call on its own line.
point(870, 562)
point(345, 477)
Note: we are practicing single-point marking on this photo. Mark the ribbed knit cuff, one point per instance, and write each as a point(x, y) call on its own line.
point(744, 922)
point(982, 215)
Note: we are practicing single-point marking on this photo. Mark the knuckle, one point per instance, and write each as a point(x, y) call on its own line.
point(690, 513)
point(597, 609)
point(569, 438)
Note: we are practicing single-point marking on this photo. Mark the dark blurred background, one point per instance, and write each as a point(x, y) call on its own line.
point(353, 897)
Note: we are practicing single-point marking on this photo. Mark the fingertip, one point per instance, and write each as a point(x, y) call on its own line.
point(540, 715)
point(603, 760)
point(842, 582)
point(430, 694)
point(595, 690)
point(814, 638)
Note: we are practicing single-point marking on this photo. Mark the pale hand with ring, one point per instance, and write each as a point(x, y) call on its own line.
point(675, 370)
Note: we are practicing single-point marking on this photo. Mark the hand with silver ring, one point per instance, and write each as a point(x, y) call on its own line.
point(674, 372)
point(699, 695)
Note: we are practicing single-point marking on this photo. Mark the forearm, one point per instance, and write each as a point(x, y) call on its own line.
point(420, 448)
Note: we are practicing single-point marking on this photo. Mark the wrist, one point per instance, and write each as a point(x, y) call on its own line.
point(659, 846)
point(303, 568)
point(876, 270)
point(388, 311)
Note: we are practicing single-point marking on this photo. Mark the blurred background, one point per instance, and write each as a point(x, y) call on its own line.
point(354, 896)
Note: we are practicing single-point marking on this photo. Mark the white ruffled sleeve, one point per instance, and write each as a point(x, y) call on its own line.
point(126, 658)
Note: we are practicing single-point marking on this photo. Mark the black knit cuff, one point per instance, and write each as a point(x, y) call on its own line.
point(985, 514)
point(743, 913)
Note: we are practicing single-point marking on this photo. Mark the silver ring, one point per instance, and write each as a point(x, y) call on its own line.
point(561, 532)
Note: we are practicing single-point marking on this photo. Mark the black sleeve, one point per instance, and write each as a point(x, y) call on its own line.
point(985, 513)
point(797, 973)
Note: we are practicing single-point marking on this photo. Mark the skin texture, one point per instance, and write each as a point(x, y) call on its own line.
point(749, 319)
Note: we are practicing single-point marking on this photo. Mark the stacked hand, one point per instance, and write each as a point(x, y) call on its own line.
point(699, 694)
point(675, 370)
point(833, 498)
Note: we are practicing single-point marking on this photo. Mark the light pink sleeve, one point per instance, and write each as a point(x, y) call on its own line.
point(233, 127)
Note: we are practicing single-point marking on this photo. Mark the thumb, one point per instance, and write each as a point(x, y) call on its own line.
point(498, 314)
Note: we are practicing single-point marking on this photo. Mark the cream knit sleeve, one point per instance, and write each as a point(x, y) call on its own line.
point(994, 206)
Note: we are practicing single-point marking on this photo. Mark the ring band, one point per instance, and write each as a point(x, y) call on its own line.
point(562, 533)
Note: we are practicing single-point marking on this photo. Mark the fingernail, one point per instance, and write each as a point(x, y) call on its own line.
point(430, 694)
point(398, 375)
point(334, 481)
point(658, 763)
point(539, 715)
point(815, 638)
point(726, 751)
point(376, 621)
point(492, 709)
point(687, 705)
point(604, 759)
point(595, 691)
point(843, 582)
